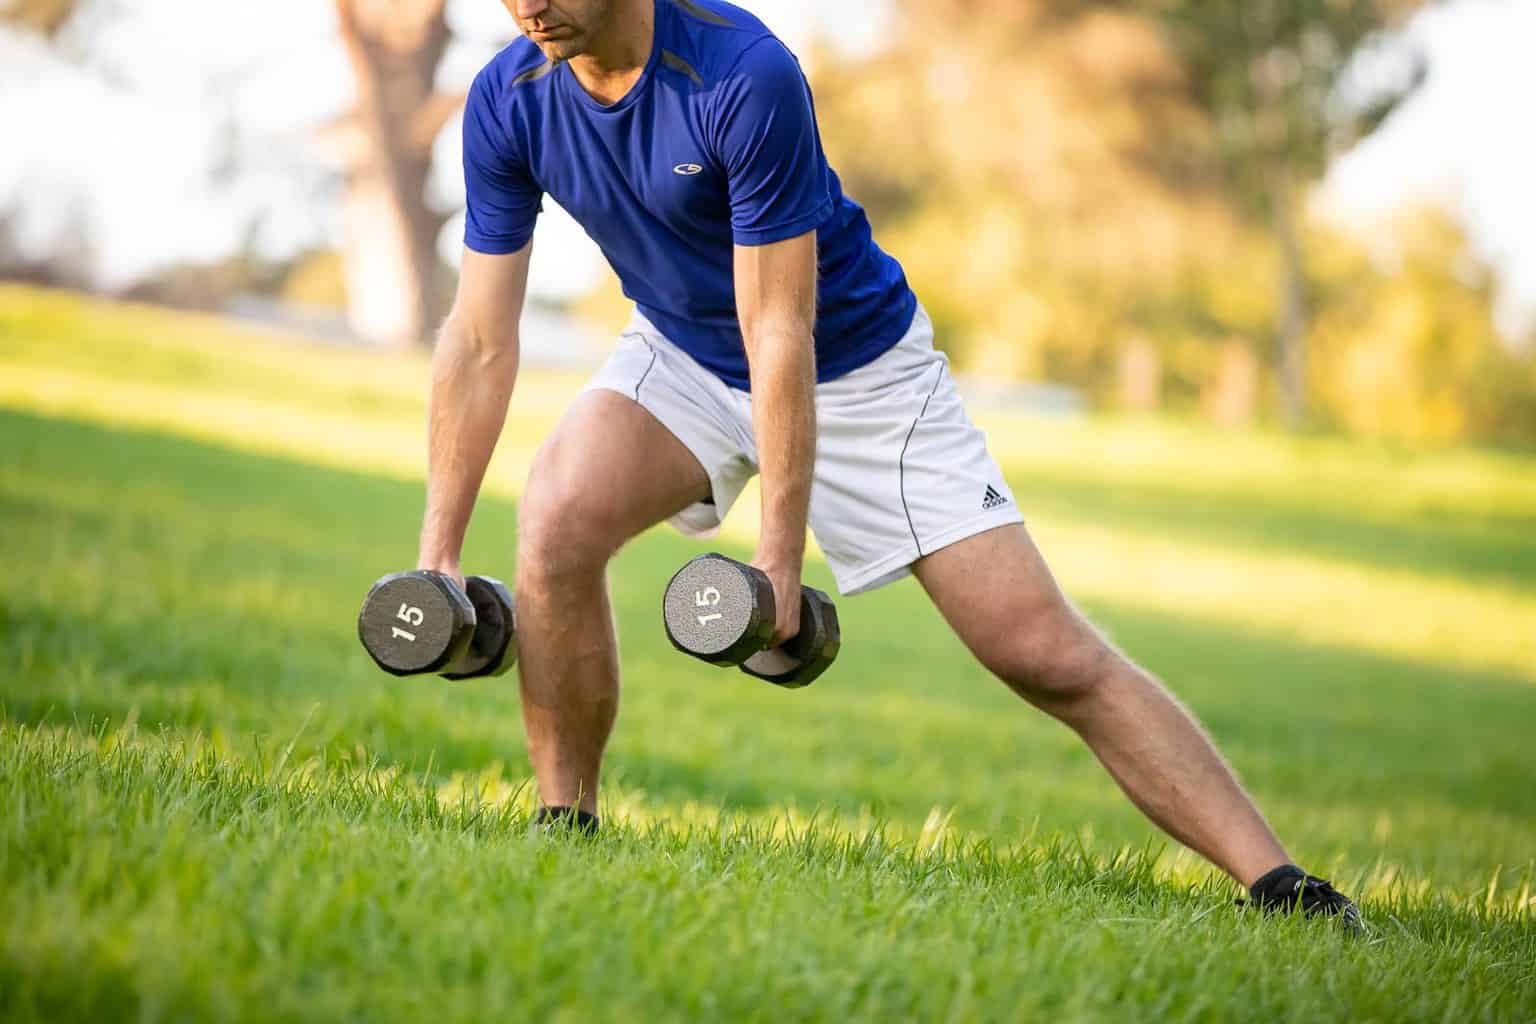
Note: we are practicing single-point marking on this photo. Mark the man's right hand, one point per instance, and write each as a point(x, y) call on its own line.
point(451, 570)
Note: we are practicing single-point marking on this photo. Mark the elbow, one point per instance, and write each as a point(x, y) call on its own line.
point(780, 328)
point(498, 359)
point(786, 349)
point(486, 351)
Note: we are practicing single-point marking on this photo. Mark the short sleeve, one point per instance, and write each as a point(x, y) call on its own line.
point(501, 198)
point(767, 141)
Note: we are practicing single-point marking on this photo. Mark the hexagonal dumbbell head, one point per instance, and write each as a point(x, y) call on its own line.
point(718, 610)
point(809, 652)
point(415, 622)
point(493, 648)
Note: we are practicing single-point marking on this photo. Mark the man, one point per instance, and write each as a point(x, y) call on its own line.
point(772, 336)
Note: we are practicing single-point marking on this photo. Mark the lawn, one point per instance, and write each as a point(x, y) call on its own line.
point(212, 805)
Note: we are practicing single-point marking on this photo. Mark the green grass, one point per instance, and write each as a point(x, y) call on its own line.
point(212, 806)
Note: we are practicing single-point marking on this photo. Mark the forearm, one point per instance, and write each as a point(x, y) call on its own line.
point(784, 422)
point(472, 383)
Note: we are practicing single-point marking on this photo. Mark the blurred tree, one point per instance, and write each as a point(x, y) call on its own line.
point(1406, 347)
point(1049, 184)
point(1266, 71)
point(45, 16)
point(394, 287)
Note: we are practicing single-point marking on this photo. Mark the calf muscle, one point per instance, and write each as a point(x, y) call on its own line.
point(1028, 634)
point(608, 472)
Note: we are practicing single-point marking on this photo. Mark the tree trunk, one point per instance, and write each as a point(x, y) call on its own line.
point(1292, 328)
point(390, 252)
point(1141, 376)
point(1232, 397)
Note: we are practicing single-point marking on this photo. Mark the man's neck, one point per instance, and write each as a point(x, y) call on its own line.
point(618, 55)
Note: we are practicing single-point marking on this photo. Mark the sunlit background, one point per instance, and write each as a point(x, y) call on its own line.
point(1243, 293)
point(1098, 198)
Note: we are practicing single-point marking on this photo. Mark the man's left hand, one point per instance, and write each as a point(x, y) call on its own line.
point(785, 578)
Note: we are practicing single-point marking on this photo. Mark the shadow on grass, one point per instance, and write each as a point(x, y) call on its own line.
point(255, 636)
point(1447, 542)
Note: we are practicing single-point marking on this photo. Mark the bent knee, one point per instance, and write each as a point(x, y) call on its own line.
point(559, 536)
point(1055, 656)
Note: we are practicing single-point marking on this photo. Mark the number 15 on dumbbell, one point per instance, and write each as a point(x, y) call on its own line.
point(722, 611)
point(413, 623)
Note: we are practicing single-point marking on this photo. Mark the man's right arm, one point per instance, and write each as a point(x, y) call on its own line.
point(474, 369)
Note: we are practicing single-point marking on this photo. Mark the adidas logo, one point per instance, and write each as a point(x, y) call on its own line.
point(992, 500)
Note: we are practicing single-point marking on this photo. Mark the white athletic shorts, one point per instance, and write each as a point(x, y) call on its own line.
point(900, 469)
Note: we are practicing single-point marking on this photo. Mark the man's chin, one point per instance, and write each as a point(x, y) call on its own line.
point(558, 50)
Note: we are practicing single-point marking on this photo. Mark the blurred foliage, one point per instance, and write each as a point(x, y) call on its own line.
point(46, 16)
point(1265, 73)
point(1052, 187)
point(1068, 186)
point(1404, 346)
point(317, 278)
point(1109, 194)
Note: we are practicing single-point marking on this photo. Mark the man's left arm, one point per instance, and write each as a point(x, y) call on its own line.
point(764, 134)
point(776, 302)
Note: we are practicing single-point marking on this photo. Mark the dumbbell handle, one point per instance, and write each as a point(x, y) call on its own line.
point(795, 646)
point(803, 657)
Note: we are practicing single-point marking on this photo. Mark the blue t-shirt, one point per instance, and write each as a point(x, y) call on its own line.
point(716, 145)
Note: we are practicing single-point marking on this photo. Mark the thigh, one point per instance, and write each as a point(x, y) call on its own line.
point(994, 589)
point(609, 471)
point(996, 592)
point(694, 407)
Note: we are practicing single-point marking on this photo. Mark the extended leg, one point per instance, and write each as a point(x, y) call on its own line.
point(997, 593)
point(609, 471)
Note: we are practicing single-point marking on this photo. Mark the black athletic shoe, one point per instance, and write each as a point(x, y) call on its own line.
point(567, 819)
point(1288, 887)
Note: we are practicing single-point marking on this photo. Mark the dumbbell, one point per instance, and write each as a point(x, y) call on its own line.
point(721, 611)
point(412, 623)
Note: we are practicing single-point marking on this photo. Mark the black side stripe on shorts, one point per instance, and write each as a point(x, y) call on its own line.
point(901, 463)
point(648, 367)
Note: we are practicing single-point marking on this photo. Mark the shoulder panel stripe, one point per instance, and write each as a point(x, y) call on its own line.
point(534, 74)
point(677, 63)
point(703, 13)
